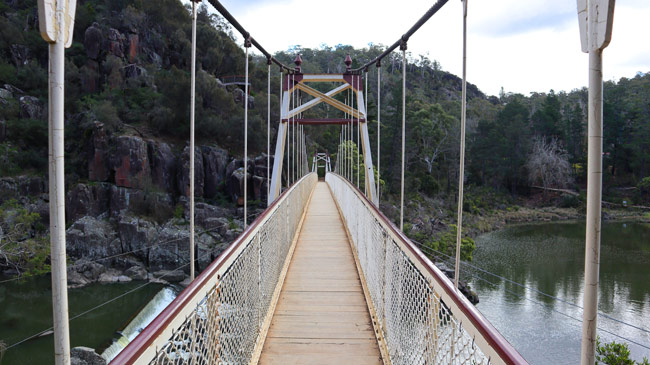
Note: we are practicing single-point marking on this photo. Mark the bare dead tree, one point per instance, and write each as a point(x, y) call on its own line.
point(548, 164)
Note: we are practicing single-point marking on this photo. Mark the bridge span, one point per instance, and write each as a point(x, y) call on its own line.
point(322, 276)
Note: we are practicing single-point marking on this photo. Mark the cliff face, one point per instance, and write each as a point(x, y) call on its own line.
point(133, 206)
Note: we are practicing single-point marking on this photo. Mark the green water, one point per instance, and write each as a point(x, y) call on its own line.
point(550, 258)
point(26, 309)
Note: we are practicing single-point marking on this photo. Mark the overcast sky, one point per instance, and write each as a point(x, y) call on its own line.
point(520, 45)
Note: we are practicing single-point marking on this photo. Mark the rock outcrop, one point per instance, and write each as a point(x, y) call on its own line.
point(85, 356)
point(215, 161)
point(129, 161)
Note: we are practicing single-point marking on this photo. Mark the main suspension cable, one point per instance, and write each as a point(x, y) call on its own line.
point(226, 14)
point(405, 37)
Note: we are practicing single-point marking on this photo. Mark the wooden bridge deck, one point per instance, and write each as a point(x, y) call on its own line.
point(321, 316)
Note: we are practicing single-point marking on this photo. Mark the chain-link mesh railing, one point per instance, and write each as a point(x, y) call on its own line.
point(421, 317)
point(219, 317)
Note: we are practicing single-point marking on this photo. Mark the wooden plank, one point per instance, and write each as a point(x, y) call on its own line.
point(313, 359)
point(322, 316)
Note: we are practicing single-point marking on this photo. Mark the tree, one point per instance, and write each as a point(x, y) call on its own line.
point(431, 130)
point(500, 148)
point(546, 121)
point(548, 164)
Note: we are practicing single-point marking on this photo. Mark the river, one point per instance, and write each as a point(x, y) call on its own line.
point(26, 308)
point(549, 258)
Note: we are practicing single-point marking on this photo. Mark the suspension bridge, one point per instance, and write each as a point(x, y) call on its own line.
point(321, 276)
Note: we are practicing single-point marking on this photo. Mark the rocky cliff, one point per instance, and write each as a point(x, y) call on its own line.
point(129, 218)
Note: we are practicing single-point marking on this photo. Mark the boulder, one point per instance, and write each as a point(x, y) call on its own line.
point(89, 269)
point(132, 71)
point(175, 276)
point(157, 206)
point(183, 173)
point(86, 199)
point(85, 356)
point(129, 162)
point(163, 165)
point(8, 189)
point(171, 250)
point(215, 161)
point(99, 150)
point(136, 235)
point(31, 185)
point(121, 199)
point(115, 42)
point(76, 279)
point(137, 272)
point(204, 212)
point(5, 95)
point(232, 166)
point(113, 276)
point(92, 238)
point(93, 40)
point(235, 185)
point(30, 107)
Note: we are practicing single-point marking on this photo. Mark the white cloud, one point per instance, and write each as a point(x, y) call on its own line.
point(522, 45)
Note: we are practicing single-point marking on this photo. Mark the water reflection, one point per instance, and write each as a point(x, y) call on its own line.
point(549, 258)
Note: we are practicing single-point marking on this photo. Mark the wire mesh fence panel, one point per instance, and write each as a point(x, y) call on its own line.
point(220, 320)
point(420, 320)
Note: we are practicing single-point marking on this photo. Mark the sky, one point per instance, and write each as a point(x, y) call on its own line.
point(521, 45)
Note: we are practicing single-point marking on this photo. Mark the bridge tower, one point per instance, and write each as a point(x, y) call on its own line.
point(350, 80)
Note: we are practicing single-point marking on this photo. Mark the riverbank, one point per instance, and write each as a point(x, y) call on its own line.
point(475, 225)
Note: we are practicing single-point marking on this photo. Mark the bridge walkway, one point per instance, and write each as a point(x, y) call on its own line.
point(322, 316)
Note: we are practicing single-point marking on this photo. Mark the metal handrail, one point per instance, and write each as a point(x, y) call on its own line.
point(146, 347)
point(467, 320)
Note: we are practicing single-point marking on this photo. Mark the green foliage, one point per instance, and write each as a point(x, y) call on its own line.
point(644, 186)
point(22, 245)
point(614, 353)
point(500, 147)
point(7, 73)
point(570, 201)
point(8, 159)
point(446, 243)
point(27, 147)
point(178, 211)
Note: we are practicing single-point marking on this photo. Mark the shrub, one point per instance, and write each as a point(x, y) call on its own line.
point(446, 244)
point(429, 185)
point(644, 187)
point(570, 201)
point(614, 353)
